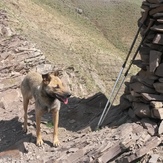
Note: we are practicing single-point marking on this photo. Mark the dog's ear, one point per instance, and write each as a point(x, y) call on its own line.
point(57, 73)
point(46, 78)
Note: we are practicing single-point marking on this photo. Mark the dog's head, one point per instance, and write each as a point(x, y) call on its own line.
point(54, 87)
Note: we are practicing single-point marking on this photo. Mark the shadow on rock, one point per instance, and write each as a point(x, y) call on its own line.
point(82, 114)
point(78, 113)
point(12, 137)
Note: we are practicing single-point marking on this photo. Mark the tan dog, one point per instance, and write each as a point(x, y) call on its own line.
point(48, 91)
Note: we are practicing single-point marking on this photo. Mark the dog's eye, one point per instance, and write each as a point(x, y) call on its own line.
point(57, 86)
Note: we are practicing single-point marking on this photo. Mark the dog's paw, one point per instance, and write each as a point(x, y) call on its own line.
point(39, 142)
point(56, 143)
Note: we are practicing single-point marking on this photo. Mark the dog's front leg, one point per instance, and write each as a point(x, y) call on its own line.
point(55, 133)
point(39, 141)
point(25, 106)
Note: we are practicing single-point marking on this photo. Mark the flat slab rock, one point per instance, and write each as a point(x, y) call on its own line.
point(152, 97)
point(141, 88)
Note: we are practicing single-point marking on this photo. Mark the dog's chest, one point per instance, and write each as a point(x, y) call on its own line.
point(48, 105)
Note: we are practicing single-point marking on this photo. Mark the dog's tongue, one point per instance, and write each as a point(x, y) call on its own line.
point(65, 101)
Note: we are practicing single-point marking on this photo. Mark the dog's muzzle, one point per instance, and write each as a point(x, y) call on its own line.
point(63, 98)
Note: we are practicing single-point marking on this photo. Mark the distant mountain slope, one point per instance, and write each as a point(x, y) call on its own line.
point(116, 19)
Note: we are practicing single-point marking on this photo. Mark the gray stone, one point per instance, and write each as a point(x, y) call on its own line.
point(158, 87)
point(9, 96)
point(152, 97)
point(154, 158)
point(124, 103)
point(160, 80)
point(160, 129)
point(158, 113)
point(147, 75)
point(159, 71)
point(132, 114)
point(141, 88)
point(155, 58)
point(141, 110)
point(150, 125)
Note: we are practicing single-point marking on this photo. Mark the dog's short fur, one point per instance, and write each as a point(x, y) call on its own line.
point(48, 91)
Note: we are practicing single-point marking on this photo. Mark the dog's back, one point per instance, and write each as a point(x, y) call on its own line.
point(30, 84)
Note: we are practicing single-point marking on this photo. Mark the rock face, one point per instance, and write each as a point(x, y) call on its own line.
point(133, 130)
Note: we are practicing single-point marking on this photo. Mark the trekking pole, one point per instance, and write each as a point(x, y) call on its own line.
point(126, 73)
point(119, 75)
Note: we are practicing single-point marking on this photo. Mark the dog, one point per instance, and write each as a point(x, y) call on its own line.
point(48, 91)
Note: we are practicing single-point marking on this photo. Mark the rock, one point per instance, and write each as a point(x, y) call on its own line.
point(110, 153)
point(124, 103)
point(156, 104)
point(13, 152)
point(141, 88)
point(155, 1)
point(9, 96)
point(132, 114)
point(152, 97)
point(150, 144)
point(150, 126)
point(159, 71)
point(155, 58)
point(75, 156)
point(147, 75)
point(153, 158)
point(158, 113)
point(141, 110)
point(144, 54)
point(6, 31)
point(72, 150)
point(10, 154)
point(79, 11)
point(158, 87)
point(160, 80)
point(160, 129)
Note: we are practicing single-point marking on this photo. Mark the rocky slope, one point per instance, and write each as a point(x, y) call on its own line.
point(124, 139)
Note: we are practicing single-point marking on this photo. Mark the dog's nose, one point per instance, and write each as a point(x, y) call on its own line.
point(68, 94)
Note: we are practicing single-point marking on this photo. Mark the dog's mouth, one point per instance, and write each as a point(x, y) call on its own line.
point(62, 99)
